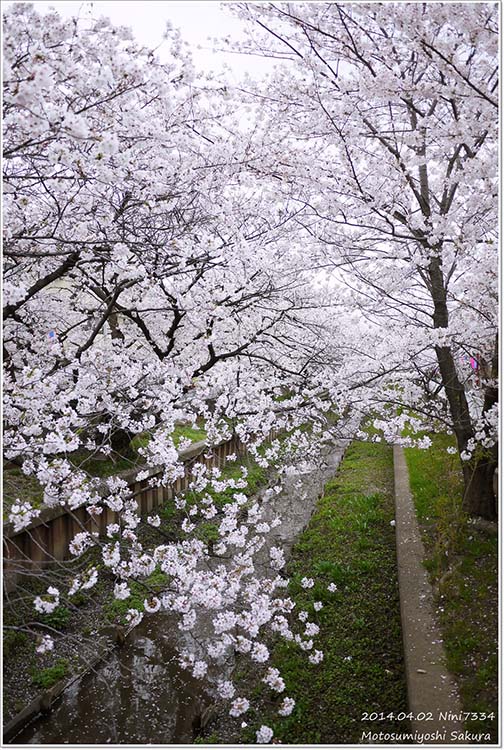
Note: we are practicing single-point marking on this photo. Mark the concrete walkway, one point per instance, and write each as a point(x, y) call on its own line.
point(432, 692)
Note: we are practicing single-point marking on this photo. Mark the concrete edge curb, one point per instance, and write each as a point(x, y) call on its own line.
point(432, 692)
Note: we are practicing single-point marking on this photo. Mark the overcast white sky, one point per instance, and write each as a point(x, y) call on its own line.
point(197, 21)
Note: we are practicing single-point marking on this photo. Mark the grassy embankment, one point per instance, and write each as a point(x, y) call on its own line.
point(349, 542)
point(463, 565)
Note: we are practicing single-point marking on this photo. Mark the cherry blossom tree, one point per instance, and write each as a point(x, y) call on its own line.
point(148, 281)
point(380, 123)
point(328, 260)
point(131, 246)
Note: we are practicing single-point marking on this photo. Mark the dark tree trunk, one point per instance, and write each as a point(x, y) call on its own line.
point(479, 496)
point(120, 441)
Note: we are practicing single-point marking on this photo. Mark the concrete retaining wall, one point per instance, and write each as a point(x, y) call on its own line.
point(47, 538)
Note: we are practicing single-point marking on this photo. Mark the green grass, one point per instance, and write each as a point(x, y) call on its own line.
point(211, 739)
point(256, 477)
point(194, 434)
point(46, 678)
point(115, 610)
point(434, 475)
point(463, 566)
point(13, 641)
point(98, 467)
point(18, 485)
point(58, 619)
point(349, 542)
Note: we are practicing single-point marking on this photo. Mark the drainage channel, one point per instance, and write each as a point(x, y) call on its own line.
point(140, 695)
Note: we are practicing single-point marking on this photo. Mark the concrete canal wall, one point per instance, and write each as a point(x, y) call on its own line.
point(47, 538)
